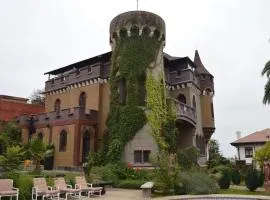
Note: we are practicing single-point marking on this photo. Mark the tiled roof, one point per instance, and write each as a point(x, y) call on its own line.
point(257, 137)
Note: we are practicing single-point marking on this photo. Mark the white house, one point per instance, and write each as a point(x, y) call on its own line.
point(248, 145)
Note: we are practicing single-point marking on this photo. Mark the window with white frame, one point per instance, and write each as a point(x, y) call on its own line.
point(248, 152)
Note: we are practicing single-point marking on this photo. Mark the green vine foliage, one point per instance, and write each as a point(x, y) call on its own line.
point(130, 60)
point(162, 114)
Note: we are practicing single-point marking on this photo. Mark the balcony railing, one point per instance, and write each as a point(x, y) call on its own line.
point(186, 112)
point(185, 76)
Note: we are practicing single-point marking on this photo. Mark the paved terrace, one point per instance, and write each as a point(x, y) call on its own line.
point(124, 194)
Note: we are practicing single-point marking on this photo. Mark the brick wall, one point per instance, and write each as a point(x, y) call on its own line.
point(9, 109)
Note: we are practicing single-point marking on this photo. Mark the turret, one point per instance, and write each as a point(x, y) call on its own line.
point(207, 92)
point(137, 39)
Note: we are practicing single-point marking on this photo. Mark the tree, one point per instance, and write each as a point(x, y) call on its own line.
point(266, 71)
point(37, 97)
point(10, 135)
point(215, 157)
point(263, 154)
point(36, 151)
point(225, 180)
point(11, 159)
point(252, 179)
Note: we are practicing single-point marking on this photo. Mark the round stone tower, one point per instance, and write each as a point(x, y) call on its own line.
point(137, 40)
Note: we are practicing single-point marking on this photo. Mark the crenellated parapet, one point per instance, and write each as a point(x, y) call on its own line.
point(137, 23)
point(53, 118)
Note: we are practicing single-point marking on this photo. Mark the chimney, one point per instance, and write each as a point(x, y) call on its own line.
point(238, 135)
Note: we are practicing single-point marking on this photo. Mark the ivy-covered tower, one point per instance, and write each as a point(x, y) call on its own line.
point(206, 80)
point(137, 40)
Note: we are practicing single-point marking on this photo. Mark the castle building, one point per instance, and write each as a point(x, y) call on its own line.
point(79, 97)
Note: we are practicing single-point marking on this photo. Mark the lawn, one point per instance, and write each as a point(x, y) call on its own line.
point(243, 192)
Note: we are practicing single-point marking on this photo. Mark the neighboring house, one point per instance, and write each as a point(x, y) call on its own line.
point(248, 145)
point(77, 103)
point(11, 107)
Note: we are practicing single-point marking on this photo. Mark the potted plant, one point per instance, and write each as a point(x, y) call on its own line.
point(49, 157)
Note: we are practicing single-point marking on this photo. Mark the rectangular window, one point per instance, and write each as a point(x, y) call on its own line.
point(137, 156)
point(248, 152)
point(141, 156)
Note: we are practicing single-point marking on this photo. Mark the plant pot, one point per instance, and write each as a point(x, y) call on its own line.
point(48, 163)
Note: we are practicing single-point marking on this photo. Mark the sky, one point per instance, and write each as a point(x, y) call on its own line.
point(232, 37)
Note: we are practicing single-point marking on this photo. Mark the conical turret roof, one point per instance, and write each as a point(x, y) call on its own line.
point(200, 67)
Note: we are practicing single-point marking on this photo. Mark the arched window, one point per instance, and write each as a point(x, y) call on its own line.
point(122, 91)
point(182, 98)
point(63, 141)
point(40, 136)
point(86, 145)
point(82, 100)
point(197, 141)
point(142, 91)
point(194, 102)
point(212, 111)
point(57, 106)
point(208, 91)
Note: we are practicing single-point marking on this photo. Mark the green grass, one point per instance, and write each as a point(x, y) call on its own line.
point(243, 192)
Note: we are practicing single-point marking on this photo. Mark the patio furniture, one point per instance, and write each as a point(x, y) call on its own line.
point(87, 187)
point(61, 185)
point(7, 189)
point(41, 189)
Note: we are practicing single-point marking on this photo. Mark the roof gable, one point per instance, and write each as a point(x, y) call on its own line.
point(257, 137)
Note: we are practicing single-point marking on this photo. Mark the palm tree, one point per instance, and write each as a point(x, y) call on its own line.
point(36, 151)
point(266, 71)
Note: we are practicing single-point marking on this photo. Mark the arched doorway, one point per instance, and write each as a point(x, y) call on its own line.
point(85, 146)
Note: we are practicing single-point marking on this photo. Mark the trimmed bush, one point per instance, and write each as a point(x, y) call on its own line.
point(225, 180)
point(108, 172)
point(130, 184)
point(25, 184)
point(261, 178)
point(252, 179)
point(195, 183)
point(236, 177)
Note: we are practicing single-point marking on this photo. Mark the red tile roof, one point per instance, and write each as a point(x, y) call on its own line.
point(257, 137)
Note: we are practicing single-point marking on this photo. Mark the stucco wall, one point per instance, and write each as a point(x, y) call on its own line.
point(142, 141)
point(255, 147)
point(63, 158)
point(70, 98)
point(207, 119)
point(104, 107)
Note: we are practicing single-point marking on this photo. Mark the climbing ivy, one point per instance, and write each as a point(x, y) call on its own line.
point(130, 59)
point(162, 114)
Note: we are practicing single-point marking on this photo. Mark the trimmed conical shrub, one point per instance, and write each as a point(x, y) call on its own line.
point(236, 177)
point(252, 179)
point(225, 180)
